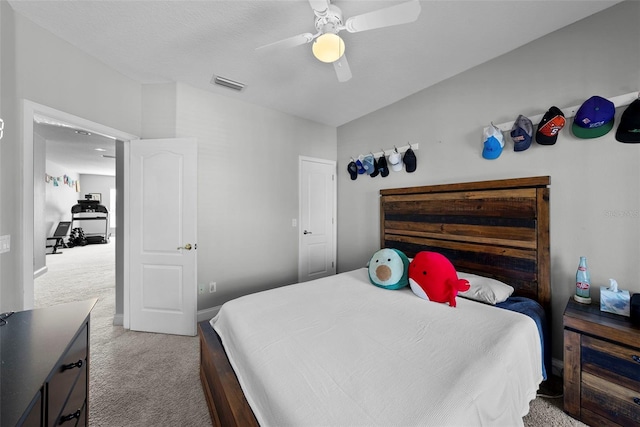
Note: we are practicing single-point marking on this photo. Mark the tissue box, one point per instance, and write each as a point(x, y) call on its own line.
point(615, 302)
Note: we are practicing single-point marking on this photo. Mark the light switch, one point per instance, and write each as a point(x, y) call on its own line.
point(294, 222)
point(5, 244)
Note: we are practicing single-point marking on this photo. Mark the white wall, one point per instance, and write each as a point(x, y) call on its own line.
point(595, 184)
point(247, 190)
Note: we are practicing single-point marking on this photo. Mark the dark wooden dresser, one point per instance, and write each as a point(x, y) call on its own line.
point(601, 366)
point(45, 366)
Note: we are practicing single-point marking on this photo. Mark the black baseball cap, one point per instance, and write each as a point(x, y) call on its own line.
point(550, 126)
point(409, 160)
point(382, 166)
point(629, 127)
point(353, 170)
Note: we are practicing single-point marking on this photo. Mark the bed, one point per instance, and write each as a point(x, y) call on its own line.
point(330, 375)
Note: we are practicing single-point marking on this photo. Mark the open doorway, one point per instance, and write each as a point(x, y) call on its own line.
point(31, 112)
point(74, 213)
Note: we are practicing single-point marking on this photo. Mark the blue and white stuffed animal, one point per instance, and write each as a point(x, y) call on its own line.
point(388, 269)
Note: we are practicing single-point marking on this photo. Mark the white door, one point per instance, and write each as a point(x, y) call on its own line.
point(317, 241)
point(162, 228)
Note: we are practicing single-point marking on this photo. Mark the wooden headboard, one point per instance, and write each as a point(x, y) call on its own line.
point(496, 228)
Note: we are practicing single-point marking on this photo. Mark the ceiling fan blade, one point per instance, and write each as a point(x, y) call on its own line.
point(294, 41)
point(402, 13)
point(342, 69)
point(319, 6)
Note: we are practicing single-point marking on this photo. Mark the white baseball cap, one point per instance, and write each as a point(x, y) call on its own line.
point(395, 160)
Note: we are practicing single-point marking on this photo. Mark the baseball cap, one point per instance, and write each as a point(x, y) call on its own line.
point(353, 170)
point(376, 171)
point(410, 160)
point(360, 165)
point(594, 118)
point(382, 166)
point(493, 142)
point(550, 126)
point(367, 164)
point(395, 160)
point(521, 133)
point(629, 127)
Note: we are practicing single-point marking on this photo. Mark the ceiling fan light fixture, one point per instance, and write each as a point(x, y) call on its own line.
point(329, 47)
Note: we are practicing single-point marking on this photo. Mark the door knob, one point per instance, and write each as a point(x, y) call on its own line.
point(307, 232)
point(187, 247)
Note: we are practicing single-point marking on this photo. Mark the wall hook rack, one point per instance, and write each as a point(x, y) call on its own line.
point(400, 150)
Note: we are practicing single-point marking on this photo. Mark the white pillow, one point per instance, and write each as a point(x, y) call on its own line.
point(485, 289)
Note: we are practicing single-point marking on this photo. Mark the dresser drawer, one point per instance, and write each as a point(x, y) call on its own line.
point(73, 411)
point(614, 402)
point(73, 364)
point(615, 363)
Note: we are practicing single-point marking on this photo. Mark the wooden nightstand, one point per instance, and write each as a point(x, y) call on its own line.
point(601, 366)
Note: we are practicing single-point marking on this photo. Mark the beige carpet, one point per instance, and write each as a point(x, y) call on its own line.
point(144, 379)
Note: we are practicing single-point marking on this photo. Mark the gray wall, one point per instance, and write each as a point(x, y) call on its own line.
point(595, 184)
point(10, 294)
point(257, 203)
point(50, 72)
point(247, 185)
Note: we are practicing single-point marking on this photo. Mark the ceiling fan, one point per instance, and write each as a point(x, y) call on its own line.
point(328, 46)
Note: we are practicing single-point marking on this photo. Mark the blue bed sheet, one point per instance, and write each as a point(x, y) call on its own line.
point(534, 310)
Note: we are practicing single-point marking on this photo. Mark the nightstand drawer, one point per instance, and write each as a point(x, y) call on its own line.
point(616, 403)
point(616, 363)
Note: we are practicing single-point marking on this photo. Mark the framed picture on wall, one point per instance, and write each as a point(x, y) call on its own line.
point(94, 196)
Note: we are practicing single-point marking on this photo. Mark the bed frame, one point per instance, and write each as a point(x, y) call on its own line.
point(496, 228)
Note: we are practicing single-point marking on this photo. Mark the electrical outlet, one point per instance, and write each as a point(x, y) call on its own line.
point(212, 287)
point(201, 288)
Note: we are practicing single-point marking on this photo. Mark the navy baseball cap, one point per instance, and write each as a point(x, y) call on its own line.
point(594, 118)
point(522, 133)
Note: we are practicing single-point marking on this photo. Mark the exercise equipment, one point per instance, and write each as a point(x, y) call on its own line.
point(91, 211)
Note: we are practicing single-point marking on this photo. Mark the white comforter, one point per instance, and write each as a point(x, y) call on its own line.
point(339, 351)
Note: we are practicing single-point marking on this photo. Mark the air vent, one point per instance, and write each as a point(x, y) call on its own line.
point(227, 83)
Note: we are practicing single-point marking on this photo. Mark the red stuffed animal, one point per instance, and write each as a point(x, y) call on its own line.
point(433, 277)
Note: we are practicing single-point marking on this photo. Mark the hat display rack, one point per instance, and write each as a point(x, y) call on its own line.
point(399, 152)
point(618, 101)
point(386, 152)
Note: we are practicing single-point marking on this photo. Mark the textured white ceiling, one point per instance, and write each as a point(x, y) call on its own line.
point(180, 40)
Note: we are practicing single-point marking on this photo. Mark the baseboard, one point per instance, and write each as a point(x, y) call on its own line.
point(40, 272)
point(118, 319)
point(208, 313)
